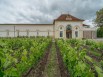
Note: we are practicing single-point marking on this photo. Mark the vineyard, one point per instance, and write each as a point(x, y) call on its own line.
point(82, 58)
point(18, 55)
point(44, 57)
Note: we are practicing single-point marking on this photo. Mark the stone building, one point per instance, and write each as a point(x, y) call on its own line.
point(65, 26)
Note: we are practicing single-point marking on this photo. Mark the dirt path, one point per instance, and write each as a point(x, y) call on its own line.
point(52, 67)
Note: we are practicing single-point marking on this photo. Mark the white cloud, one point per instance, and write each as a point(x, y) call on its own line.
point(89, 22)
point(44, 11)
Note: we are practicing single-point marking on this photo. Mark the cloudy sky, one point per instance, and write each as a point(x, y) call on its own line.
point(44, 11)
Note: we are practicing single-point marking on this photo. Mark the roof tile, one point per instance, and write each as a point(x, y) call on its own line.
point(67, 17)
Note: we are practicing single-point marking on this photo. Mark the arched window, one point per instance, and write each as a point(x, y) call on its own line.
point(76, 33)
point(76, 27)
point(60, 27)
point(68, 27)
point(61, 33)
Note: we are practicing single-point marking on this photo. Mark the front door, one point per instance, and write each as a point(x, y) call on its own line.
point(69, 34)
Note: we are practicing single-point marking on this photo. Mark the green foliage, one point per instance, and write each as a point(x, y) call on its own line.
point(94, 45)
point(99, 71)
point(76, 59)
point(99, 18)
point(101, 63)
point(99, 22)
point(100, 32)
point(19, 54)
point(1, 72)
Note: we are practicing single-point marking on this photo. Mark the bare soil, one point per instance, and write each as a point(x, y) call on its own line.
point(63, 70)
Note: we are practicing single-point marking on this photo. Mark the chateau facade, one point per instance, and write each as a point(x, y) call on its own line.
point(65, 26)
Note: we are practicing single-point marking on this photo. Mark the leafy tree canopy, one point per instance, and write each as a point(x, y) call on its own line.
point(99, 18)
point(100, 32)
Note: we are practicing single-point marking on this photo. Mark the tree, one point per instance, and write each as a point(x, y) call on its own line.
point(99, 18)
point(100, 32)
point(99, 22)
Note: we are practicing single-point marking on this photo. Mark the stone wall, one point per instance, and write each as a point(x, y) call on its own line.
point(26, 30)
point(89, 34)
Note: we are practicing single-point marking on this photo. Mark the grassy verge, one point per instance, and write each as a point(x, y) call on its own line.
point(52, 69)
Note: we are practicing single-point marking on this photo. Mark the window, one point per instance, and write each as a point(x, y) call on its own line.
point(76, 28)
point(61, 33)
point(76, 33)
point(68, 27)
point(60, 28)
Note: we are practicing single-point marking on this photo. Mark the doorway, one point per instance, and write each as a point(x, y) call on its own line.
point(68, 31)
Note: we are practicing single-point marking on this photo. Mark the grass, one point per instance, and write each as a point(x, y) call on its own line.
point(52, 66)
